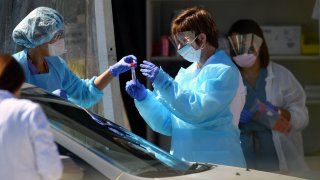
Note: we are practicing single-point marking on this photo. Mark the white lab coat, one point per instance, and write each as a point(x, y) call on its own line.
point(283, 90)
point(27, 149)
point(238, 102)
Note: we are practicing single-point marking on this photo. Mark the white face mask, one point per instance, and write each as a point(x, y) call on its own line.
point(190, 54)
point(57, 48)
point(245, 60)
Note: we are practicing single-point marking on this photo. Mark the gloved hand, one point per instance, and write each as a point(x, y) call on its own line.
point(267, 114)
point(136, 90)
point(149, 70)
point(60, 93)
point(245, 116)
point(123, 65)
point(270, 106)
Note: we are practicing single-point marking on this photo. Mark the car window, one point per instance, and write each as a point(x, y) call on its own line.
point(77, 169)
point(114, 144)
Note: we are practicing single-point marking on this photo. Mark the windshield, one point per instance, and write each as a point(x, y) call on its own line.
point(111, 142)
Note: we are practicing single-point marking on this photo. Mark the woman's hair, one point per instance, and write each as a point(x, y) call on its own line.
point(198, 21)
point(246, 26)
point(11, 73)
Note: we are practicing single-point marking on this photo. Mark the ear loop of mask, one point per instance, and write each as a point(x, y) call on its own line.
point(188, 43)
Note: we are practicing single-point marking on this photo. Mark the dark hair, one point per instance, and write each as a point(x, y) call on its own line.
point(11, 73)
point(245, 26)
point(198, 21)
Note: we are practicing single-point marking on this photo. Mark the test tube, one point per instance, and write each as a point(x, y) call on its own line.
point(133, 72)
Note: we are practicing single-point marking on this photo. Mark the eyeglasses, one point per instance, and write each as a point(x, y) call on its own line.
point(183, 38)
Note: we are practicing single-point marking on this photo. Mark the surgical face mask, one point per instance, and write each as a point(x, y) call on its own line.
point(57, 48)
point(245, 60)
point(190, 54)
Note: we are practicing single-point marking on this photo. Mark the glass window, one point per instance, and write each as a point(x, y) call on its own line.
point(77, 169)
point(113, 143)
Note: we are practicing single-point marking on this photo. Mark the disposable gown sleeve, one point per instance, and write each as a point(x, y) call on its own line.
point(294, 101)
point(217, 87)
point(82, 92)
point(47, 157)
point(155, 114)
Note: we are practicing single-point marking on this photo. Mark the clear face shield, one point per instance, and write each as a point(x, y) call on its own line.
point(183, 43)
point(245, 48)
point(56, 46)
point(59, 35)
point(182, 39)
point(245, 43)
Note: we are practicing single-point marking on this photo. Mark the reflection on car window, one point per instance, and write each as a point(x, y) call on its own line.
point(77, 169)
point(113, 143)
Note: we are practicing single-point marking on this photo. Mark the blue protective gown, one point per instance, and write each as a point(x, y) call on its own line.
point(82, 92)
point(194, 109)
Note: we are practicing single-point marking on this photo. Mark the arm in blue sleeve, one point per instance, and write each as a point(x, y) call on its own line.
point(217, 87)
point(82, 92)
point(155, 114)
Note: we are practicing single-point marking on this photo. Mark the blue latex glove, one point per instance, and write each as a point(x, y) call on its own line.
point(271, 106)
point(136, 90)
point(149, 70)
point(61, 93)
point(245, 116)
point(123, 65)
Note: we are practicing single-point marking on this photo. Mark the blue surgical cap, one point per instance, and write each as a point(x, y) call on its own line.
point(38, 27)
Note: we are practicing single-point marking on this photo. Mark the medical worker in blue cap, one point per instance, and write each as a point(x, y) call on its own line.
point(41, 32)
point(195, 108)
